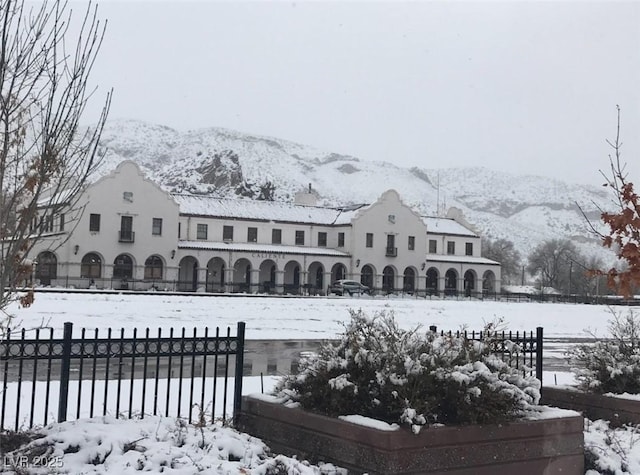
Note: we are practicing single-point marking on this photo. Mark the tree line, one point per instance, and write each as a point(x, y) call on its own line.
point(554, 264)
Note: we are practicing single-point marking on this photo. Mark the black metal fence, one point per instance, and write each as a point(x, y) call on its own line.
point(527, 357)
point(169, 374)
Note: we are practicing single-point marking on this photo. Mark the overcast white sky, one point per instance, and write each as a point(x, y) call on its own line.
point(514, 86)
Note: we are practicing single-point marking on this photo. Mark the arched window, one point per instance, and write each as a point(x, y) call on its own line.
point(451, 282)
point(123, 267)
point(153, 267)
point(319, 278)
point(366, 276)
point(409, 280)
point(338, 272)
point(296, 276)
point(91, 266)
point(469, 283)
point(488, 282)
point(432, 281)
point(46, 267)
point(388, 279)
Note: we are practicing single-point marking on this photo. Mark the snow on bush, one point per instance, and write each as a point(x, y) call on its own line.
point(154, 444)
point(381, 371)
point(610, 365)
point(611, 451)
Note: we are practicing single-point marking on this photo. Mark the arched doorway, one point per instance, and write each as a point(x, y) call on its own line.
point(123, 270)
point(469, 283)
point(153, 268)
point(432, 281)
point(315, 281)
point(488, 282)
point(123, 267)
point(366, 276)
point(268, 276)
point(292, 277)
point(388, 279)
point(338, 272)
point(242, 276)
point(91, 266)
point(451, 282)
point(215, 275)
point(409, 280)
point(46, 267)
point(188, 274)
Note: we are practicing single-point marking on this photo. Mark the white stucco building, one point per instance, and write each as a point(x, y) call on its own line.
point(133, 235)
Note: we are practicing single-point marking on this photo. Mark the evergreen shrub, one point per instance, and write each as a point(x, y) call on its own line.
point(380, 371)
point(610, 365)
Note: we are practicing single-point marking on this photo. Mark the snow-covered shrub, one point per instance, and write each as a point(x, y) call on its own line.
point(381, 371)
point(610, 365)
point(609, 451)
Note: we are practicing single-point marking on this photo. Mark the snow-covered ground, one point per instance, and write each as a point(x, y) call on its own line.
point(167, 445)
point(299, 318)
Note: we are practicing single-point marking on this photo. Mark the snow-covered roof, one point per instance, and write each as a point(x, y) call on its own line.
point(460, 259)
point(261, 248)
point(437, 225)
point(60, 198)
point(529, 289)
point(197, 205)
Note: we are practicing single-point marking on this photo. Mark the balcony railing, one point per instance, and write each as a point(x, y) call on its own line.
point(126, 236)
point(392, 252)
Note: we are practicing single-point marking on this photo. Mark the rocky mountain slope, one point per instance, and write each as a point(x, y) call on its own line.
point(524, 209)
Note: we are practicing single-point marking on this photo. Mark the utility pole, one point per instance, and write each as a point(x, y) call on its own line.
point(570, 271)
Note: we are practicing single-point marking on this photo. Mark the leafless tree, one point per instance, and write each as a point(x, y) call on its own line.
point(553, 262)
point(45, 154)
point(623, 222)
point(504, 252)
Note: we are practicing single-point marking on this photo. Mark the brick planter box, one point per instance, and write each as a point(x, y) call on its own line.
point(616, 410)
point(547, 446)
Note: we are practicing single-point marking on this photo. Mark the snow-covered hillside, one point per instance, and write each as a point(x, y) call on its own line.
point(524, 209)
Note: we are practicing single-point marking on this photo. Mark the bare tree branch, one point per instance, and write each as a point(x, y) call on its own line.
point(623, 223)
point(46, 156)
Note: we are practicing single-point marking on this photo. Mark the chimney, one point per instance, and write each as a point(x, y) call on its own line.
point(306, 198)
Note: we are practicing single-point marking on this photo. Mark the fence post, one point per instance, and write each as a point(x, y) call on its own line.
point(64, 372)
point(539, 354)
point(237, 392)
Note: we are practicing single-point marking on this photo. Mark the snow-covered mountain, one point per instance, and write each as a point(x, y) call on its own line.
point(525, 209)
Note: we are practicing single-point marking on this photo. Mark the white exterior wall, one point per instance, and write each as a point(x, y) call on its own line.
point(460, 244)
point(214, 265)
point(106, 198)
point(461, 263)
point(189, 225)
point(388, 216)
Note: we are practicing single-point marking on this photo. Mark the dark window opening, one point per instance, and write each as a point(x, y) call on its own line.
point(451, 247)
point(369, 240)
point(94, 222)
point(322, 239)
point(156, 227)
